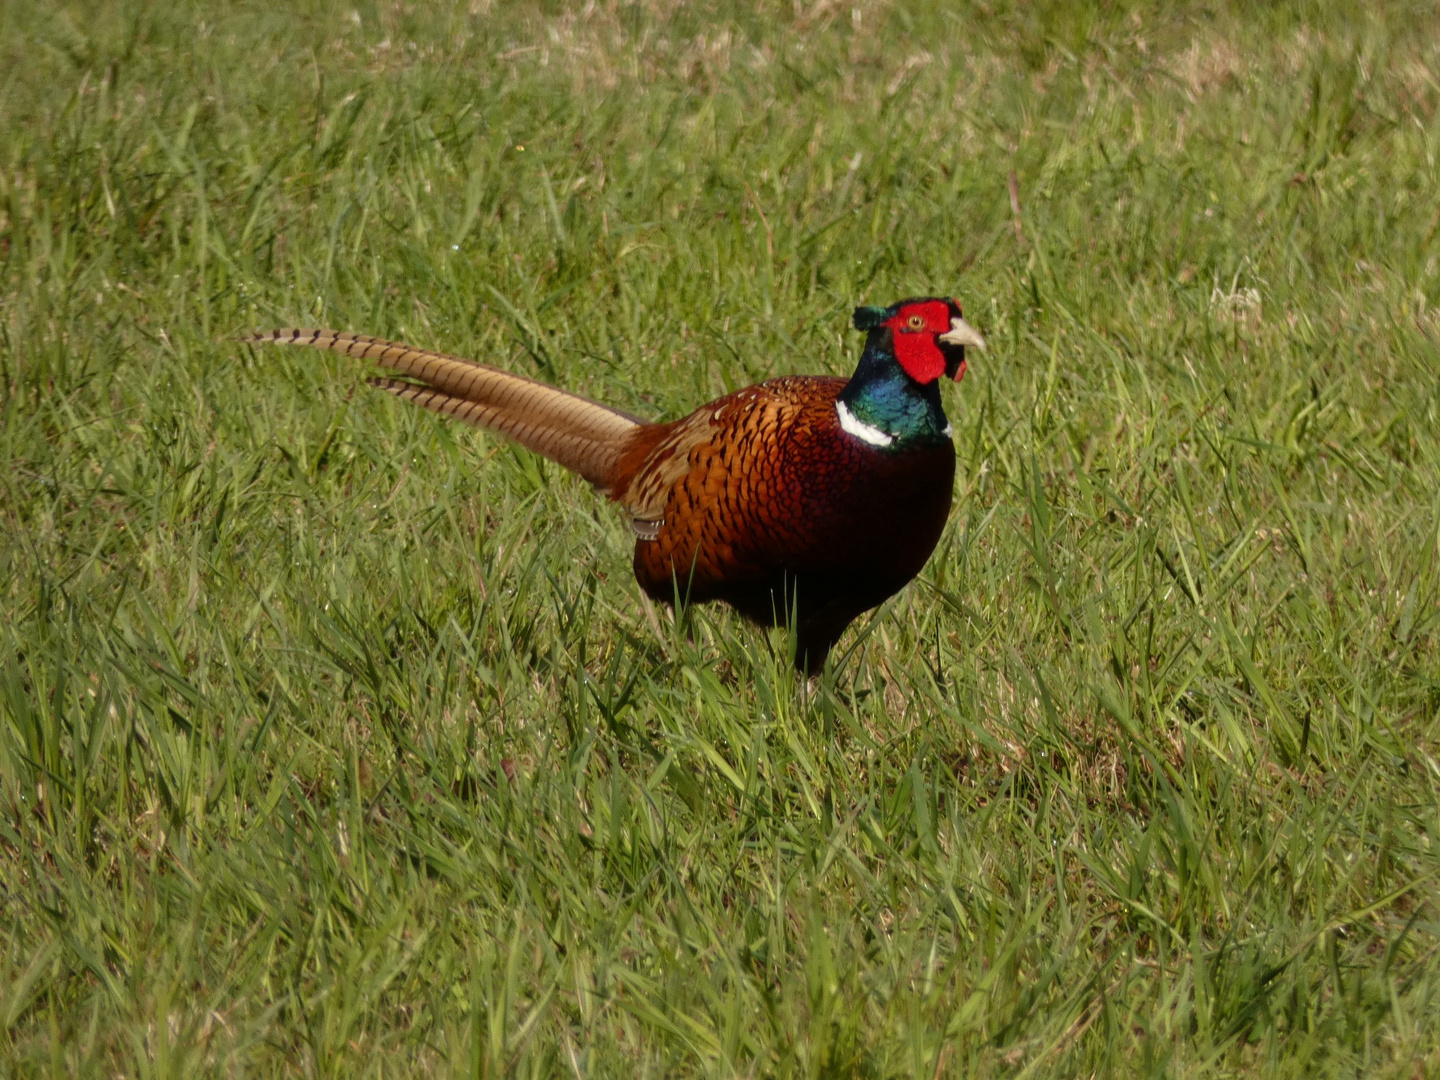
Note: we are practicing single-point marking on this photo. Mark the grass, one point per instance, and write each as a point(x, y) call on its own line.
point(338, 741)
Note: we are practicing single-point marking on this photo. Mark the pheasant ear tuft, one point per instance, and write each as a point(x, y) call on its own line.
point(867, 318)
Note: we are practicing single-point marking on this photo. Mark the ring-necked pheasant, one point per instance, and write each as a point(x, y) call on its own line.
point(807, 496)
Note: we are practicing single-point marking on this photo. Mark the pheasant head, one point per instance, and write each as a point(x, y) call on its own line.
point(926, 336)
point(892, 401)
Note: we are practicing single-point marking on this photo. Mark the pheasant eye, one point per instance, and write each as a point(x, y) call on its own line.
point(915, 322)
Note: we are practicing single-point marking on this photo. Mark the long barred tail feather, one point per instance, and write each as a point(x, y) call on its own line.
point(582, 435)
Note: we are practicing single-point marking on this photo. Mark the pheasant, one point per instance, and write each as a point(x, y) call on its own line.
point(807, 497)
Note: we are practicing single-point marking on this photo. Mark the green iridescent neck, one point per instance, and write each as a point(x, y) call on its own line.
point(886, 408)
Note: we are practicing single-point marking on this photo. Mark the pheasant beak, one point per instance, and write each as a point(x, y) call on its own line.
point(962, 333)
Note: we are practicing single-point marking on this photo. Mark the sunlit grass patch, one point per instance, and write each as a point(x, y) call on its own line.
point(338, 740)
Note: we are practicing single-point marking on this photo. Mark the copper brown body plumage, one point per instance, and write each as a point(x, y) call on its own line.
point(809, 498)
point(774, 509)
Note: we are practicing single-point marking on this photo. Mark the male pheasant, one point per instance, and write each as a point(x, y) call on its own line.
point(805, 497)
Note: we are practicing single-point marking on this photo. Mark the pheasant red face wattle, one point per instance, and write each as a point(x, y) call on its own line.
point(916, 328)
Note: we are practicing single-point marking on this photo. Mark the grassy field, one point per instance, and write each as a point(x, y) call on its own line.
point(338, 741)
